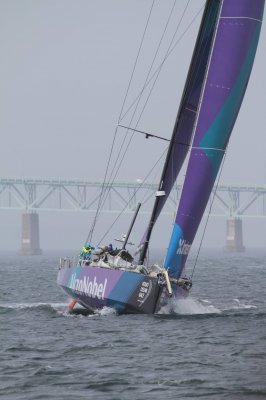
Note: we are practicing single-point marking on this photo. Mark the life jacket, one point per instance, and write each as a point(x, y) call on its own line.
point(84, 250)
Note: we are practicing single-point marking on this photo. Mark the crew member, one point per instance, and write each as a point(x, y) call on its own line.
point(86, 251)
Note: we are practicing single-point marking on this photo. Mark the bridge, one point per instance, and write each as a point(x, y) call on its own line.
point(31, 196)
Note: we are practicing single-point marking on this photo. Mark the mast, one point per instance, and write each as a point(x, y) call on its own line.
point(183, 128)
point(131, 225)
point(227, 75)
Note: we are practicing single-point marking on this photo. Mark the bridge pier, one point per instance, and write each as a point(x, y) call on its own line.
point(234, 235)
point(30, 240)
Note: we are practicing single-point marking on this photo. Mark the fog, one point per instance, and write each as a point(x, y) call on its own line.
point(65, 68)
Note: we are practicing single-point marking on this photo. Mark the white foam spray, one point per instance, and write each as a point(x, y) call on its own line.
point(237, 305)
point(107, 311)
point(189, 306)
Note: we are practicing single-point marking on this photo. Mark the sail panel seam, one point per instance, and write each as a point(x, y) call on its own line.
point(207, 148)
point(252, 19)
point(190, 109)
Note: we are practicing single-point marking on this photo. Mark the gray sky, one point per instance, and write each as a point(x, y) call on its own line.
point(64, 69)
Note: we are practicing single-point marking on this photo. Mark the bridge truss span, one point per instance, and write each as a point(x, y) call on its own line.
point(31, 196)
point(77, 195)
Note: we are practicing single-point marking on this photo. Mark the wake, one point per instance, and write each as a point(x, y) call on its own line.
point(57, 307)
point(189, 306)
point(238, 305)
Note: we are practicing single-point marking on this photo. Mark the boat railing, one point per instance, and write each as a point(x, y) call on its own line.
point(67, 262)
point(64, 262)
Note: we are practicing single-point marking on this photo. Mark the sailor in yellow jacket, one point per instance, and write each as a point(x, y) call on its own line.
point(86, 251)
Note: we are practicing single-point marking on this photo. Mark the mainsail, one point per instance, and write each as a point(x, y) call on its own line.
point(226, 78)
point(183, 128)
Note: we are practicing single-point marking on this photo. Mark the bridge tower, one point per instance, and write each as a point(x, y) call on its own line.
point(30, 240)
point(234, 235)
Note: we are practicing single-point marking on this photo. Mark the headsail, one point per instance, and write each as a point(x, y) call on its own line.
point(183, 128)
point(227, 76)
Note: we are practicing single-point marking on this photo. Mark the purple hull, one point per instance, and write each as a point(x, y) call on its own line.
point(126, 292)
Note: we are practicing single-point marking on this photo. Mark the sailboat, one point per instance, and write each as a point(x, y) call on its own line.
point(216, 82)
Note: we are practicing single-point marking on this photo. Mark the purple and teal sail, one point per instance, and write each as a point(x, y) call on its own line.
point(226, 77)
point(184, 124)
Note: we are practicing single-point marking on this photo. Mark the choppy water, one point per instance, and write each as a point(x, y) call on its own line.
point(211, 346)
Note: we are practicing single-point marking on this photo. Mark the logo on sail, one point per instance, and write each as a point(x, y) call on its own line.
point(183, 248)
point(88, 286)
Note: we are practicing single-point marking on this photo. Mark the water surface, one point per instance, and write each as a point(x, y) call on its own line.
point(211, 346)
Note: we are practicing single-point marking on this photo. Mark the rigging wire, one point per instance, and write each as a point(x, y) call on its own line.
point(208, 216)
point(152, 88)
point(113, 174)
point(89, 237)
point(161, 65)
point(155, 56)
point(194, 78)
point(136, 60)
point(135, 110)
point(112, 177)
point(106, 187)
point(169, 52)
point(137, 189)
point(158, 70)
